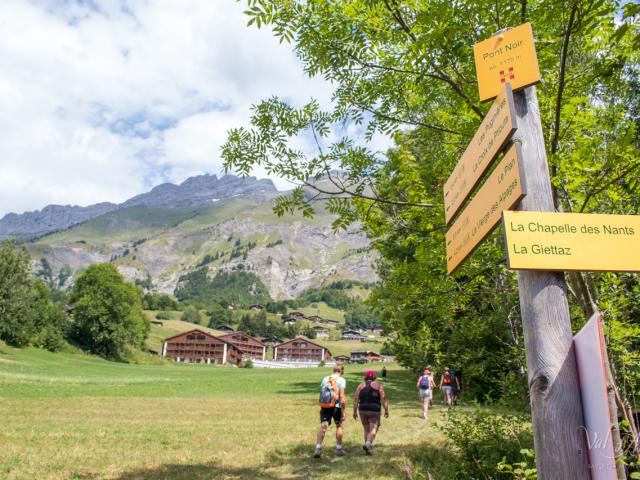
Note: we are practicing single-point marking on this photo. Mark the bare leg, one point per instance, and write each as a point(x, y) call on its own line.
point(339, 433)
point(321, 433)
point(373, 430)
point(425, 407)
point(366, 431)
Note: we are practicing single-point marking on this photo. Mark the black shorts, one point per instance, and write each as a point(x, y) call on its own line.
point(326, 414)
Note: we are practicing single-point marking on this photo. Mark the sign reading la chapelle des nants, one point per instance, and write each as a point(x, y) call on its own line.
point(572, 241)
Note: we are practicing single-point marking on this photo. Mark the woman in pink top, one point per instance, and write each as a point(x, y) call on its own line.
point(369, 399)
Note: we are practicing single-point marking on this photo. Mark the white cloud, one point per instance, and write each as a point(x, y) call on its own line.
point(101, 102)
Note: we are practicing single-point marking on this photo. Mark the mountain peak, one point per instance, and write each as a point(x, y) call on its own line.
point(193, 192)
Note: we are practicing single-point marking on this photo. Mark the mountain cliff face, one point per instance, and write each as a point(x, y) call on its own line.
point(218, 224)
point(193, 192)
point(50, 219)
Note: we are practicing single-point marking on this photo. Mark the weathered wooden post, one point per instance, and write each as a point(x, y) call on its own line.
point(556, 409)
point(541, 245)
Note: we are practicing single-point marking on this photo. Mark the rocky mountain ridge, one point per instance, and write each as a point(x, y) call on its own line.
point(193, 192)
point(218, 224)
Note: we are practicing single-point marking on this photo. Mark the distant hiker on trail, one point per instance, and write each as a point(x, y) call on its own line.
point(368, 399)
point(383, 372)
point(446, 382)
point(333, 405)
point(425, 386)
point(455, 386)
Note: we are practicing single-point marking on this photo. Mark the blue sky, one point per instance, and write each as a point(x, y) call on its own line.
point(101, 100)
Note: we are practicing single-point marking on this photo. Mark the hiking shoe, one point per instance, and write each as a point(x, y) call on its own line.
point(367, 449)
point(339, 452)
point(317, 453)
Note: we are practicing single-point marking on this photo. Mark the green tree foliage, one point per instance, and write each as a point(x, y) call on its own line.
point(16, 319)
point(51, 323)
point(405, 68)
point(107, 313)
point(238, 288)
point(217, 314)
point(159, 301)
point(191, 315)
point(27, 314)
point(257, 324)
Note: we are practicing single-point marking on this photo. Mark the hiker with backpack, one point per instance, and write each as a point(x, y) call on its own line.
point(446, 384)
point(333, 406)
point(455, 386)
point(368, 399)
point(425, 386)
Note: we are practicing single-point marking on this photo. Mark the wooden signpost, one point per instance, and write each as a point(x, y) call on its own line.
point(492, 136)
point(556, 408)
point(502, 190)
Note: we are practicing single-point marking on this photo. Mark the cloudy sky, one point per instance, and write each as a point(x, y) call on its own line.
point(102, 100)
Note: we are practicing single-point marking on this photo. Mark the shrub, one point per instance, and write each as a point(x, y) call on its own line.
point(191, 315)
point(163, 316)
point(248, 363)
point(485, 439)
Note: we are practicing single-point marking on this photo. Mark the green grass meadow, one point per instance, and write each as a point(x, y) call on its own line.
point(71, 416)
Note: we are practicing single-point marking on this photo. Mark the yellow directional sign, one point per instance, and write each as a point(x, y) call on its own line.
point(509, 57)
point(572, 241)
point(502, 191)
point(495, 131)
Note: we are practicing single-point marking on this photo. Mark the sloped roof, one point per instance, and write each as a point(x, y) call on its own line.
point(229, 337)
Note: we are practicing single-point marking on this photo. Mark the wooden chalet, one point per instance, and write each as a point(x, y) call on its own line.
point(377, 330)
point(366, 356)
point(289, 321)
point(342, 358)
point(271, 341)
point(248, 346)
point(224, 328)
point(329, 321)
point(297, 316)
point(197, 346)
point(315, 319)
point(353, 335)
point(301, 349)
point(321, 332)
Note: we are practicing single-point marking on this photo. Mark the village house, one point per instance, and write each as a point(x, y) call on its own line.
point(377, 330)
point(315, 318)
point(247, 345)
point(329, 321)
point(342, 358)
point(364, 356)
point(289, 321)
point(224, 328)
point(353, 335)
point(271, 341)
point(297, 316)
point(321, 332)
point(197, 346)
point(301, 349)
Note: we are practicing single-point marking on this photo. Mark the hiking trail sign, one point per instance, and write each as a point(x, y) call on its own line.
point(509, 57)
point(493, 134)
point(572, 241)
point(502, 190)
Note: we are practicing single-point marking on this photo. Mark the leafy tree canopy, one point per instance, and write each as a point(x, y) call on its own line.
point(107, 312)
point(405, 68)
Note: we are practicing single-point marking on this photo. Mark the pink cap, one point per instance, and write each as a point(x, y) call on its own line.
point(370, 374)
